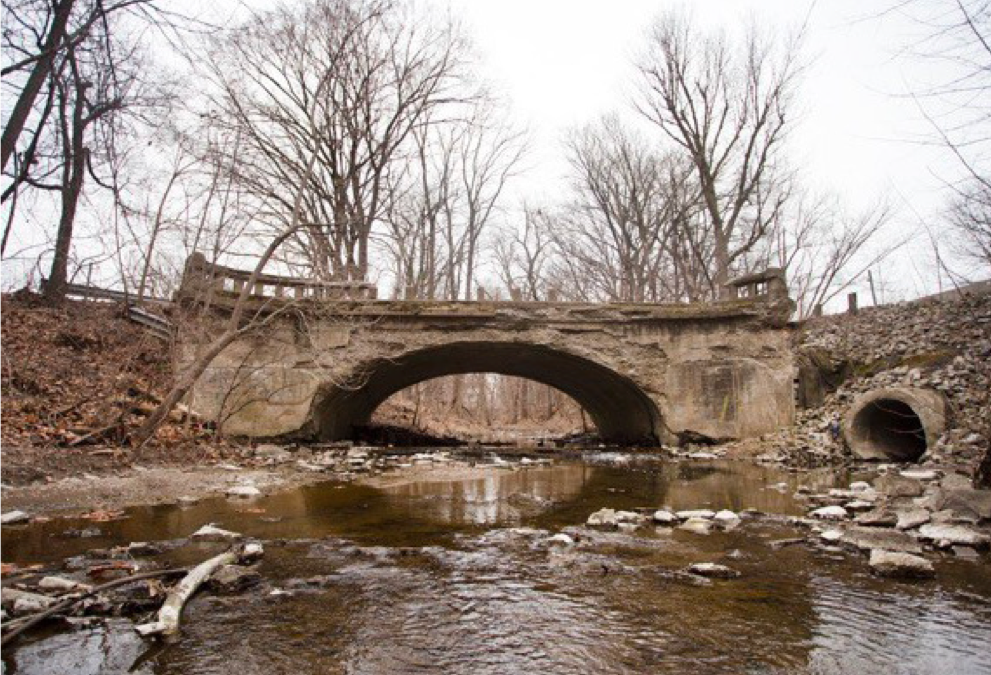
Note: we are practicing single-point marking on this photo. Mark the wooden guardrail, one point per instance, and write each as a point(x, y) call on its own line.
point(201, 276)
point(156, 325)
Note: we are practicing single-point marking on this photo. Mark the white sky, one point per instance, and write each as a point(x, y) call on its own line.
point(562, 63)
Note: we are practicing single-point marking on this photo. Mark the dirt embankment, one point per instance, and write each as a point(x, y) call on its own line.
point(76, 378)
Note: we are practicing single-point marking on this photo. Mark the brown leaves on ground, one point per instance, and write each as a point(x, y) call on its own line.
point(79, 377)
point(74, 371)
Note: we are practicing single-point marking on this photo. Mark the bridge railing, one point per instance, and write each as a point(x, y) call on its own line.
point(201, 277)
point(769, 284)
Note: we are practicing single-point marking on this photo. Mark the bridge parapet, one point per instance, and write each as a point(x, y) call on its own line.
point(768, 284)
point(763, 295)
point(202, 278)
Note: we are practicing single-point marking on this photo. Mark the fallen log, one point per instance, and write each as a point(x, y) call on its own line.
point(24, 623)
point(169, 616)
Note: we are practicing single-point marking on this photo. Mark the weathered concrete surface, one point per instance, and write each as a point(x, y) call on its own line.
point(643, 372)
point(896, 423)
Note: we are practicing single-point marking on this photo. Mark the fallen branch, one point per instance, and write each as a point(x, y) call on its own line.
point(27, 622)
point(170, 614)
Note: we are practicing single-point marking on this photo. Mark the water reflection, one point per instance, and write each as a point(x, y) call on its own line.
point(455, 576)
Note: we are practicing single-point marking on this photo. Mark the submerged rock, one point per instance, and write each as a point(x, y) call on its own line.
point(897, 564)
point(713, 570)
point(697, 526)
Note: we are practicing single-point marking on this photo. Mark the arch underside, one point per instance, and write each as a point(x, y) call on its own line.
point(621, 411)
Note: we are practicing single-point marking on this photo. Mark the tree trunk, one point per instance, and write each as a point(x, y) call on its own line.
point(25, 102)
point(72, 186)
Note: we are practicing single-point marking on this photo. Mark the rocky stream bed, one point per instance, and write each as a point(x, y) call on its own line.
point(607, 562)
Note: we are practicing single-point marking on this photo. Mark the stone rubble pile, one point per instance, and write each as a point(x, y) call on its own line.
point(945, 346)
point(911, 513)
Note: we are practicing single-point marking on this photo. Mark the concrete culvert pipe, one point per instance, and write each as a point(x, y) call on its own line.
point(897, 424)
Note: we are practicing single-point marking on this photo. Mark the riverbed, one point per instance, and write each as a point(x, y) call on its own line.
point(458, 573)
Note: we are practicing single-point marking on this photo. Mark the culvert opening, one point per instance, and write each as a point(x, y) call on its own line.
point(891, 428)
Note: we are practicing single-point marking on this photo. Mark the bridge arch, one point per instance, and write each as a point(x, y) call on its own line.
point(621, 410)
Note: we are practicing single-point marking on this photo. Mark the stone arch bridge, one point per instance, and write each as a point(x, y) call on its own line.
point(329, 354)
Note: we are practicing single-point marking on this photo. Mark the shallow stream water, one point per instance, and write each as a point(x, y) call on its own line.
point(456, 576)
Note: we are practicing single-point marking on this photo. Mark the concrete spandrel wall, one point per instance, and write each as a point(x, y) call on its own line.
point(728, 377)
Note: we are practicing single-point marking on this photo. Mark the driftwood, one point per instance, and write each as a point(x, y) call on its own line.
point(169, 616)
point(24, 623)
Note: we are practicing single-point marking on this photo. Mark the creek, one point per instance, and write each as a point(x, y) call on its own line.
point(457, 576)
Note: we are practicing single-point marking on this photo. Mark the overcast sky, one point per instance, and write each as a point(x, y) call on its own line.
point(562, 63)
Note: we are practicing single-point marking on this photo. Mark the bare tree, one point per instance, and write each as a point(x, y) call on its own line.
point(390, 68)
point(524, 258)
point(442, 203)
point(823, 248)
point(954, 96)
point(626, 199)
point(726, 109)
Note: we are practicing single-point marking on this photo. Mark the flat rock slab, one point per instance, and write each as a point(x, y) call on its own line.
point(696, 513)
point(243, 491)
point(877, 518)
point(713, 570)
point(893, 485)
point(211, 532)
point(664, 517)
point(109, 649)
point(904, 565)
point(912, 518)
point(951, 535)
point(14, 517)
point(868, 538)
